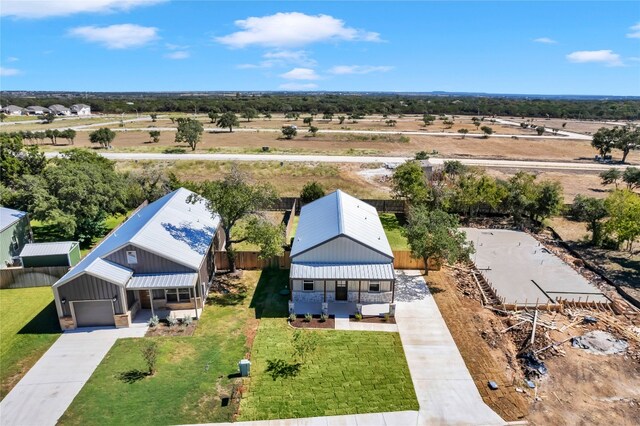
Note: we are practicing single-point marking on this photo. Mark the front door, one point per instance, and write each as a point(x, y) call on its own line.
point(341, 290)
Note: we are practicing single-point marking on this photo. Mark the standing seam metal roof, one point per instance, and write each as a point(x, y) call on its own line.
point(340, 214)
point(47, 249)
point(161, 281)
point(9, 216)
point(329, 271)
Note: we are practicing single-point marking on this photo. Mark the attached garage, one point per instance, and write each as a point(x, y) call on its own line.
point(93, 313)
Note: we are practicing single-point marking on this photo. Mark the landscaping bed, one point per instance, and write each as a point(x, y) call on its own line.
point(164, 329)
point(301, 322)
point(373, 319)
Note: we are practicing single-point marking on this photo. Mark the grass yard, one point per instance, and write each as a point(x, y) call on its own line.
point(349, 372)
point(28, 326)
point(393, 229)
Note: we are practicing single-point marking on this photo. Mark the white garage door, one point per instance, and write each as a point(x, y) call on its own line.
point(94, 313)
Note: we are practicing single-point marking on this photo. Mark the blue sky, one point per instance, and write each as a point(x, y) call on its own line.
point(154, 45)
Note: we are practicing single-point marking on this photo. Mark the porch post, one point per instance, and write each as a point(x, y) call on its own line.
point(359, 289)
point(290, 289)
point(151, 301)
point(325, 290)
point(195, 300)
point(393, 290)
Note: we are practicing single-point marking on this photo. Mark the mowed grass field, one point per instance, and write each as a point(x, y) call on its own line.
point(28, 327)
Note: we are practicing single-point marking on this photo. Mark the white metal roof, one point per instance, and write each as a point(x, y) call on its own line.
point(108, 271)
point(160, 281)
point(170, 227)
point(339, 214)
point(9, 216)
point(47, 249)
point(324, 271)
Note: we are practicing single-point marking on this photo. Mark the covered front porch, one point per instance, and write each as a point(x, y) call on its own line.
point(341, 309)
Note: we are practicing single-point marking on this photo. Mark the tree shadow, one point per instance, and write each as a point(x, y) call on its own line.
point(198, 239)
point(45, 322)
point(267, 301)
point(281, 369)
point(132, 376)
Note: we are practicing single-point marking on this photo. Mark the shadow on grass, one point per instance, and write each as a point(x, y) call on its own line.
point(281, 369)
point(393, 221)
point(267, 301)
point(46, 322)
point(132, 376)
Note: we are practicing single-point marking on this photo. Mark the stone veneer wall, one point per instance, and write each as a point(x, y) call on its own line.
point(67, 323)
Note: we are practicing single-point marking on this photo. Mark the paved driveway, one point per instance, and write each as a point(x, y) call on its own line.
point(445, 390)
point(45, 392)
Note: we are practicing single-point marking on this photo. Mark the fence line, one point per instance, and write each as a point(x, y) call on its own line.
point(381, 205)
point(41, 276)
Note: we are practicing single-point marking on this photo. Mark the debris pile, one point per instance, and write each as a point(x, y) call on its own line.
point(600, 343)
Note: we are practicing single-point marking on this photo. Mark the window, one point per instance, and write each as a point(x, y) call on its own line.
point(132, 257)
point(374, 286)
point(307, 285)
point(178, 295)
point(158, 294)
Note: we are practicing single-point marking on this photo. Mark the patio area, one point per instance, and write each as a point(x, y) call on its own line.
point(341, 309)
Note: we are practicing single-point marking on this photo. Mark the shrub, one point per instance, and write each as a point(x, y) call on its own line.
point(386, 317)
point(171, 320)
point(292, 317)
point(174, 151)
point(307, 317)
point(150, 355)
point(153, 321)
point(311, 191)
point(358, 316)
point(324, 317)
point(187, 320)
point(422, 155)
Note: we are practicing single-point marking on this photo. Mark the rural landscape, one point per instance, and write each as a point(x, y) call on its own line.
point(345, 245)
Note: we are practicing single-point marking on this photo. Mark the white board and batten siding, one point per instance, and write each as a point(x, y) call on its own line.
point(342, 250)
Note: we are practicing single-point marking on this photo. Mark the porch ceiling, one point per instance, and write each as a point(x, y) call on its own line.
point(162, 281)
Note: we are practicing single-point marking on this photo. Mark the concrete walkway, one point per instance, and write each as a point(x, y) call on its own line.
point(45, 392)
point(445, 390)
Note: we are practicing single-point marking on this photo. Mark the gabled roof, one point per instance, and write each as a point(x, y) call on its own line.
point(37, 108)
point(170, 227)
point(108, 271)
point(10, 108)
point(58, 107)
point(9, 216)
point(75, 107)
point(339, 214)
point(47, 249)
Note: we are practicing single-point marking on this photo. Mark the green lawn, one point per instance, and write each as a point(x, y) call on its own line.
point(28, 326)
point(393, 229)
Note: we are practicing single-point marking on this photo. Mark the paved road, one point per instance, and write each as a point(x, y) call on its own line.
point(299, 158)
point(45, 392)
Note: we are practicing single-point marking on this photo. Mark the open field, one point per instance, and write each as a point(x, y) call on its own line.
point(28, 326)
point(585, 127)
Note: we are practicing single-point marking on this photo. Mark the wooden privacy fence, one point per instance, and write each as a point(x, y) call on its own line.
point(249, 260)
point(383, 206)
point(42, 276)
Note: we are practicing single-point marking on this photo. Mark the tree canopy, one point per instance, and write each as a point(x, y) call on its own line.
point(189, 131)
point(103, 136)
point(228, 120)
point(311, 191)
point(409, 182)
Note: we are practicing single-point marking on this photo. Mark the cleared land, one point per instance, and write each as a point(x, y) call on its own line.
point(28, 326)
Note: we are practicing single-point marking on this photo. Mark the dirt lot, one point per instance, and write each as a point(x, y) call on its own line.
point(579, 388)
point(586, 127)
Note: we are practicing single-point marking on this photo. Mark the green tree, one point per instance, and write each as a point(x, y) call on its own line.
point(3, 116)
point(228, 120)
point(154, 117)
point(604, 140)
point(521, 196)
point(307, 121)
point(341, 119)
point(611, 176)
point(313, 130)
point(249, 114)
point(548, 202)
point(428, 119)
point(472, 192)
point(488, 131)
point(289, 132)
point(590, 210)
point(189, 131)
point(311, 191)
point(327, 116)
point(623, 207)
point(69, 135)
point(631, 177)
point(540, 130)
point(267, 115)
point(434, 234)
point(463, 132)
point(454, 168)
point(408, 182)
point(627, 139)
point(52, 135)
point(213, 116)
point(476, 122)
point(155, 136)
point(103, 136)
point(48, 117)
point(391, 123)
point(235, 199)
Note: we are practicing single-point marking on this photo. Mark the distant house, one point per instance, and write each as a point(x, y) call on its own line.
point(13, 110)
point(162, 257)
point(58, 109)
point(341, 253)
point(15, 232)
point(63, 253)
point(36, 110)
point(80, 109)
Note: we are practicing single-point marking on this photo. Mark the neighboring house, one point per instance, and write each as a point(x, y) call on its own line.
point(15, 232)
point(162, 257)
point(63, 253)
point(58, 109)
point(80, 109)
point(13, 110)
point(340, 253)
point(37, 110)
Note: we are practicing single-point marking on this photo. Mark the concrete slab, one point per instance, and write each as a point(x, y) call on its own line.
point(46, 391)
point(523, 271)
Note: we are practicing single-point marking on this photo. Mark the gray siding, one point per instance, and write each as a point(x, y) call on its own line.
point(148, 263)
point(88, 287)
point(342, 250)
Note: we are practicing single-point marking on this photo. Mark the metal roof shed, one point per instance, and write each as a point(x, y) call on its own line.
point(64, 253)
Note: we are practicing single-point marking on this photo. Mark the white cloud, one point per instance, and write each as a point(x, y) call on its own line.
point(300, 74)
point(298, 86)
point(607, 57)
point(121, 36)
point(545, 40)
point(42, 9)
point(282, 58)
point(8, 72)
point(635, 31)
point(178, 54)
point(12, 59)
point(358, 69)
point(634, 58)
point(172, 46)
point(292, 29)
